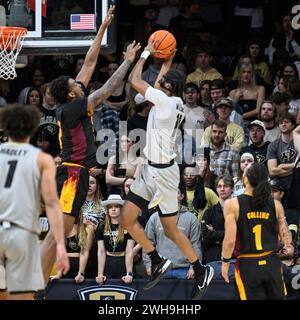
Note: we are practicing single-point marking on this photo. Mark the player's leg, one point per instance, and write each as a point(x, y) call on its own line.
point(48, 248)
point(72, 186)
point(129, 219)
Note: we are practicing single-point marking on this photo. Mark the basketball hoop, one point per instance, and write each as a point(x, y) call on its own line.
point(11, 41)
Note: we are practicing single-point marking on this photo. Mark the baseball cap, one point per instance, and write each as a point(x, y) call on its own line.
point(276, 184)
point(138, 99)
point(224, 101)
point(257, 123)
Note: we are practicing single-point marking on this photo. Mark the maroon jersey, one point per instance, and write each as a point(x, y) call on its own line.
point(76, 133)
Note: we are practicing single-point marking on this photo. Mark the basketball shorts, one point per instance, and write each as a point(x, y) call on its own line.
point(21, 260)
point(260, 278)
point(72, 187)
point(156, 187)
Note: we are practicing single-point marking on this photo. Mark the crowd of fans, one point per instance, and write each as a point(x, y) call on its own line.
point(241, 91)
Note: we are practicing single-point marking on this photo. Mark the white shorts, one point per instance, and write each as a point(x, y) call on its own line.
point(20, 257)
point(156, 187)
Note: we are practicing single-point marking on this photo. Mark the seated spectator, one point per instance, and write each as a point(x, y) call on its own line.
point(115, 246)
point(246, 160)
point(292, 215)
point(213, 231)
point(92, 213)
point(280, 101)
point(202, 167)
point(190, 226)
point(248, 95)
point(224, 160)
point(205, 98)
point(234, 133)
point(34, 97)
point(203, 70)
point(198, 197)
point(193, 125)
point(268, 115)
point(124, 164)
point(258, 146)
point(281, 155)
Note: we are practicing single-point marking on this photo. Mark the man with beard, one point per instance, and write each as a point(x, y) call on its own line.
point(267, 115)
point(224, 160)
point(281, 153)
point(258, 147)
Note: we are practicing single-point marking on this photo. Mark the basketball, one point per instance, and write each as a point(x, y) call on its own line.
point(163, 41)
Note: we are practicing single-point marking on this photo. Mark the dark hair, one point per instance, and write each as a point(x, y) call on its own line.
point(217, 84)
point(289, 64)
point(29, 92)
point(19, 121)
point(258, 175)
point(228, 181)
point(204, 82)
point(280, 97)
point(287, 116)
point(191, 85)
point(177, 80)
point(60, 88)
point(220, 124)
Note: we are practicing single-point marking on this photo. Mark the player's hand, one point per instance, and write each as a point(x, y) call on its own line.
point(109, 17)
point(224, 271)
point(62, 259)
point(131, 51)
point(171, 57)
point(151, 47)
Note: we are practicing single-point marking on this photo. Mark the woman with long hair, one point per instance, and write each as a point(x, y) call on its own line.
point(248, 95)
point(92, 213)
point(124, 164)
point(115, 246)
point(256, 222)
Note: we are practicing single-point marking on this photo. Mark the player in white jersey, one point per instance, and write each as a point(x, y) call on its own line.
point(25, 172)
point(159, 178)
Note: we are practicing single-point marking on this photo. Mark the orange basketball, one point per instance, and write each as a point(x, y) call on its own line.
point(163, 41)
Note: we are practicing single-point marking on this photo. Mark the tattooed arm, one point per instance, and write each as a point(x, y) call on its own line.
point(284, 232)
point(91, 57)
point(98, 96)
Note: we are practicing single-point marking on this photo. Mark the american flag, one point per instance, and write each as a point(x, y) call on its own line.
point(82, 21)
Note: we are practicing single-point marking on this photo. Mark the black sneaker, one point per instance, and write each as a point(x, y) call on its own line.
point(202, 281)
point(157, 272)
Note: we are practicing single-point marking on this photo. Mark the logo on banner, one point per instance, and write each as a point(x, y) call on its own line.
point(107, 293)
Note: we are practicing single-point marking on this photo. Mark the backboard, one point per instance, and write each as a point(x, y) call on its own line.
point(59, 26)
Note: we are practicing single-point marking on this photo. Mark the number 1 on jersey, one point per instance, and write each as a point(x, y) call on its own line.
point(257, 232)
point(12, 167)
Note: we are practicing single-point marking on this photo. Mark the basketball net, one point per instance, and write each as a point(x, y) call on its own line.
point(11, 41)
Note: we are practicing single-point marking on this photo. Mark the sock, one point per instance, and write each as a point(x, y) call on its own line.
point(198, 267)
point(155, 257)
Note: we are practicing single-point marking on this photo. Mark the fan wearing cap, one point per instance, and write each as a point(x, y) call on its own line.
point(218, 92)
point(258, 146)
point(234, 133)
point(115, 246)
point(281, 154)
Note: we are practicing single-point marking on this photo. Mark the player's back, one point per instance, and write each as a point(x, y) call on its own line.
point(20, 185)
point(257, 229)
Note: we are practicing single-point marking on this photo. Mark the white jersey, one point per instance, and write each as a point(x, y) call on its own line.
point(162, 128)
point(20, 185)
